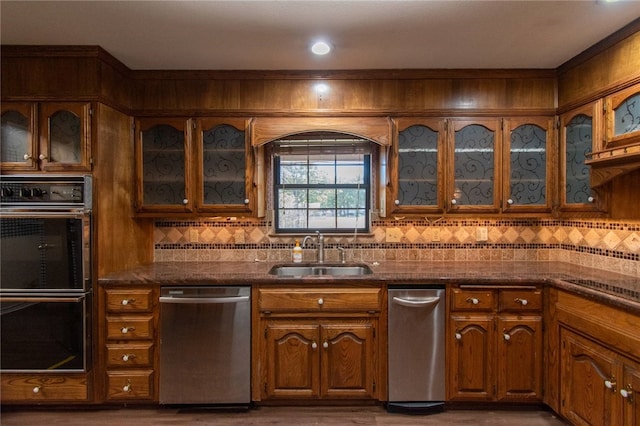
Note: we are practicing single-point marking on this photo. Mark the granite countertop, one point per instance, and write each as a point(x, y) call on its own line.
point(616, 289)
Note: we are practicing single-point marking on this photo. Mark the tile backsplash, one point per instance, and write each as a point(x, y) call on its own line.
point(605, 244)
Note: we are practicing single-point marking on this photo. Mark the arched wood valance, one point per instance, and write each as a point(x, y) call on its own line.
point(267, 129)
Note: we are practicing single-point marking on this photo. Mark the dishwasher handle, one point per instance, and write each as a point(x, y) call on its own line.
point(417, 302)
point(202, 300)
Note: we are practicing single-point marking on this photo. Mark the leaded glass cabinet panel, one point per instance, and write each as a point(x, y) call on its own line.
point(476, 158)
point(623, 118)
point(163, 150)
point(18, 143)
point(65, 136)
point(224, 165)
point(416, 166)
point(527, 164)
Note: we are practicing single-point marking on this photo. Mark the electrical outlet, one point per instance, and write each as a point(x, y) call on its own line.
point(435, 235)
point(482, 234)
point(194, 236)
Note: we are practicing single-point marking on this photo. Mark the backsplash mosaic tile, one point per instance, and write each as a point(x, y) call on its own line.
point(608, 245)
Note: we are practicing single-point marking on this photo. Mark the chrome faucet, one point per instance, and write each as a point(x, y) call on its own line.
point(320, 241)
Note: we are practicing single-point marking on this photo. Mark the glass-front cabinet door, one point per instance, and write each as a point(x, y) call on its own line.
point(527, 166)
point(163, 165)
point(46, 137)
point(580, 129)
point(416, 164)
point(223, 166)
point(623, 118)
point(18, 140)
point(474, 178)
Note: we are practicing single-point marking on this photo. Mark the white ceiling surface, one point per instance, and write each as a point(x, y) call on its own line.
point(276, 35)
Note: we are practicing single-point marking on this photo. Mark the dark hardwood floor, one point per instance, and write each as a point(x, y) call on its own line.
point(273, 416)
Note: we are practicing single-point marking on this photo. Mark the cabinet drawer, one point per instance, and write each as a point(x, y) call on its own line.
point(43, 388)
point(130, 355)
point(520, 300)
point(139, 300)
point(345, 299)
point(472, 300)
point(129, 384)
point(130, 328)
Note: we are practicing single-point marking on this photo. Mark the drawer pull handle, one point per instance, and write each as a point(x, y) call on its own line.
point(523, 302)
point(611, 384)
point(458, 336)
point(320, 302)
point(473, 300)
point(128, 387)
point(314, 345)
point(37, 389)
point(126, 330)
point(126, 302)
point(627, 393)
point(127, 357)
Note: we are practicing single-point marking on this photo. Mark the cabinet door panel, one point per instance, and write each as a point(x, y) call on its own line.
point(65, 136)
point(471, 375)
point(519, 368)
point(585, 367)
point(347, 367)
point(18, 142)
point(292, 360)
point(630, 392)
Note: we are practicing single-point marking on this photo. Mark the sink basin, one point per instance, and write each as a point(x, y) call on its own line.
point(317, 270)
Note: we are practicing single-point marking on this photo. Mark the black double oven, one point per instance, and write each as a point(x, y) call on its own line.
point(46, 273)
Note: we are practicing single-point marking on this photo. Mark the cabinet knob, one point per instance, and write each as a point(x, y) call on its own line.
point(627, 393)
point(396, 202)
point(610, 384)
point(127, 387)
point(458, 336)
point(27, 157)
point(473, 300)
point(506, 336)
point(127, 357)
point(591, 199)
point(126, 302)
point(314, 345)
point(454, 201)
point(320, 302)
point(36, 389)
point(509, 201)
point(185, 201)
point(125, 330)
point(325, 345)
point(523, 302)
point(42, 157)
point(246, 201)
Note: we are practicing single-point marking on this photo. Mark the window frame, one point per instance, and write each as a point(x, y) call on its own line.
point(366, 185)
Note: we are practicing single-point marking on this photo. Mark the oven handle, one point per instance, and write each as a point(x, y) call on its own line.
point(35, 299)
point(74, 214)
point(198, 300)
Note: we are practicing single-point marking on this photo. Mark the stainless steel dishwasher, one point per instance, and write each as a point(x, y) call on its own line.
point(205, 345)
point(416, 349)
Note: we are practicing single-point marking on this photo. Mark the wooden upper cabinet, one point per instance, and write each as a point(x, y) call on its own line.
point(527, 168)
point(474, 165)
point(48, 136)
point(622, 118)
point(580, 133)
point(416, 164)
point(163, 165)
point(224, 178)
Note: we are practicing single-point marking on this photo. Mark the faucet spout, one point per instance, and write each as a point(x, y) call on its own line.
point(320, 242)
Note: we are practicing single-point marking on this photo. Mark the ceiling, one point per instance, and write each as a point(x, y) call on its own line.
point(276, 35)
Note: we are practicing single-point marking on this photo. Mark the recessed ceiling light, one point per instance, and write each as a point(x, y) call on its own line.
point(320, 48)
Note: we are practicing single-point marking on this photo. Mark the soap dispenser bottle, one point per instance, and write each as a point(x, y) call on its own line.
point(297, 253)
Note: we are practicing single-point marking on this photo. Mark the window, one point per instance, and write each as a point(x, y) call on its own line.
point(325, 189)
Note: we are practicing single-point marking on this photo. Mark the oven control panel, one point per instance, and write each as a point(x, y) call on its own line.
point(44, 191)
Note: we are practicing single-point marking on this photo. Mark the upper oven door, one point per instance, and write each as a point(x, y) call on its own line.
point(45, 252)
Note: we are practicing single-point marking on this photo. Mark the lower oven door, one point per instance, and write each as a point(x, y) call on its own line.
point(45, 334)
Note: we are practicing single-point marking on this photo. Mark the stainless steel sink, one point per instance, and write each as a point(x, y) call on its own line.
point(316, 270)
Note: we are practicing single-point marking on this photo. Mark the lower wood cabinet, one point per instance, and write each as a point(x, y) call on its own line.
point(317, 344)
point(599, 366)
point(495, 344)
point(37, 388)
